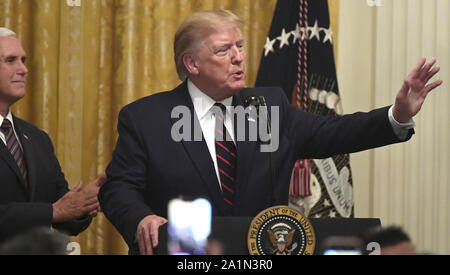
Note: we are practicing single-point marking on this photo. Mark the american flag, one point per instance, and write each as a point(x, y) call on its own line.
point(298, 56)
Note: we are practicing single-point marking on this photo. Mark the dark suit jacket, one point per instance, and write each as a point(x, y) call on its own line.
point(149, 168)
point(22, 209)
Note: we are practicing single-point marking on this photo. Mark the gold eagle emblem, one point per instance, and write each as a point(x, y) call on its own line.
point(281, 236)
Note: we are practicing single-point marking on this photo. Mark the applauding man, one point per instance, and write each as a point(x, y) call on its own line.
point(33, 190)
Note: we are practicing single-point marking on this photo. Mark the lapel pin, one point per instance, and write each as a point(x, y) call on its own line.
point(26, 137)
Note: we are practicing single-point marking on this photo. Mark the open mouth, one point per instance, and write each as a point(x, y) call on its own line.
point(239, 74)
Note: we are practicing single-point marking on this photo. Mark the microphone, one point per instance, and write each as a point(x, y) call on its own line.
point(259, 102)
point(249, 99)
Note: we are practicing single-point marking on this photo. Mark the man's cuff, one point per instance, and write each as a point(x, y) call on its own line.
point(400, 129)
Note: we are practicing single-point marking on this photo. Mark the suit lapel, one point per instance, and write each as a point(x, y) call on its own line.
point(198, 150)
point(28, 152)
point(7, 157)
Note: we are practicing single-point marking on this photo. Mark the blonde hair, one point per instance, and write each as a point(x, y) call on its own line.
point(195, 29)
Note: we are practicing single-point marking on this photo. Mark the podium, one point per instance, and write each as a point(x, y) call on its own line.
point(232, 232)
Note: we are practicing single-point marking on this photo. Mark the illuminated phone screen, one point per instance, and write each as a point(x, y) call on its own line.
point(342, 251)
point(189, 226)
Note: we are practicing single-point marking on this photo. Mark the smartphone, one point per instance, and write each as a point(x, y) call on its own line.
point(189, 226)
point(341, 245)
point(342, 251)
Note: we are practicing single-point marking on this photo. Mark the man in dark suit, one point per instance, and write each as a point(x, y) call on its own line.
point(33, 190)
point(152, 165)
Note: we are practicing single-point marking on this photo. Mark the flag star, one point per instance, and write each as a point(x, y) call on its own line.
point(332, 214)
point(326, 203)
point(315, 31)
point(296, 33)
point(269, 46)
point(328, 35)
point(304, 32)
point(299, 33)
point(284, 38)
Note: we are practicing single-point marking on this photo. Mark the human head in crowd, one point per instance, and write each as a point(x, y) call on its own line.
point(37, 241)
point(393, 240)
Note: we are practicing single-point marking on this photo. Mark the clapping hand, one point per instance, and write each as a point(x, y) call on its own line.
point(78, 202)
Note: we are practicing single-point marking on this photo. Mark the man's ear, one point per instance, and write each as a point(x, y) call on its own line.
point(191, 64)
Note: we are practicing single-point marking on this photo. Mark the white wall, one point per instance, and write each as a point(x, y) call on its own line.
point(406, 184)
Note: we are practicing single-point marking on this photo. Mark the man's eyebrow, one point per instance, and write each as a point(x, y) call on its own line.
point(8, 56)
point(222, 44)
point(13, 56)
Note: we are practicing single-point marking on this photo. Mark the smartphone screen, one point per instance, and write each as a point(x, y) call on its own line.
point(189, 226)
point(342, 251)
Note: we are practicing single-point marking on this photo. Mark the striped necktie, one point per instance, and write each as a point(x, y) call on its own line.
point(14, 148)
point(226, 154)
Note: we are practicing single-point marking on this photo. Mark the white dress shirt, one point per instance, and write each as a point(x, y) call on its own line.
point(203, 108)
point(400, 129)
point(2, 136)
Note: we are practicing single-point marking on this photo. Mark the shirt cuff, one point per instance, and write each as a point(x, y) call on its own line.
point(400, 129)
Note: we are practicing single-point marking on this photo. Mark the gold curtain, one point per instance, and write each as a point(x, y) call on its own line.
point(89, 58)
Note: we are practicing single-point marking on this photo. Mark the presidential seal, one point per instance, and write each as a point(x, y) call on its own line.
point(281, 230)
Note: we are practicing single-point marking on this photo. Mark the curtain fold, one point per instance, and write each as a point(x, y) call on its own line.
point(86, 62)
point(407, 184)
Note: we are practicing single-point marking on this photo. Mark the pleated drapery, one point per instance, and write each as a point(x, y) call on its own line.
point(89, 58)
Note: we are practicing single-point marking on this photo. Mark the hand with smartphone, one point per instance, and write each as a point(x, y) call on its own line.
point(188, 230)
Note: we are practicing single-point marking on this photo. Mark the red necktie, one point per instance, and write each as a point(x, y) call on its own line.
point(226, 154)
point(14, 148)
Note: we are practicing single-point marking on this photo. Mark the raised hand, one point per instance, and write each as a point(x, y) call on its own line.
point(415, 89)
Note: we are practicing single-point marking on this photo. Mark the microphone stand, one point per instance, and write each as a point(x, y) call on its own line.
point(257, 102)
